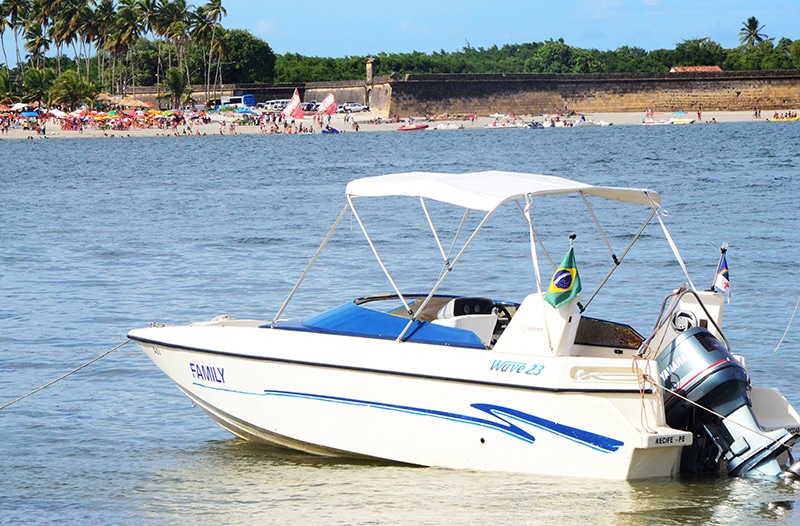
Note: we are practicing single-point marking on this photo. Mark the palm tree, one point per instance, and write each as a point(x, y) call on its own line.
point(152, 23)
point(43, 12)
point(4, 24)
point(751, 34)
point(37, 83)
point(214, 13)
point(177, 89)
point(17, 13)
point(127, 29)
point(87, 25)
point(36, 44)
point(68, 23)
point(6, 94)
point(104, 16)
point(175, 20)
point(70, 91)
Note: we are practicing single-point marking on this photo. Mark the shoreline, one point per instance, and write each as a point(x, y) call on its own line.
point(54, 131)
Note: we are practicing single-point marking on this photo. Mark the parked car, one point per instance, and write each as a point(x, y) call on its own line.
point(349, 107)
point(310, 106)
point(276, 105)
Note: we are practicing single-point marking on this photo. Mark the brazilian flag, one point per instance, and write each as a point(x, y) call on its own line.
point(566, 283)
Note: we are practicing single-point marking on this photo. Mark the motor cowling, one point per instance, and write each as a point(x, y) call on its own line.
point(707, 392)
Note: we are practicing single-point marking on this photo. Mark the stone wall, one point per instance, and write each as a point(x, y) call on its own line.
point(417, 95)
point(538, 94)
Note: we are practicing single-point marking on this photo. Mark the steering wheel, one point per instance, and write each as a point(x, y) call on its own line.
point(503, 310)
point(502, 320)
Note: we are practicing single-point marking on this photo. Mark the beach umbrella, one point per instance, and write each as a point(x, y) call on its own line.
point(19, 106)
point(32, 114)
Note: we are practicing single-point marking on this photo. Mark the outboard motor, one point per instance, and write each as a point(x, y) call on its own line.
point(699, 368)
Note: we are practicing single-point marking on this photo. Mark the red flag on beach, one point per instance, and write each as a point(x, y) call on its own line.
point(328, 104)
point(294, 108)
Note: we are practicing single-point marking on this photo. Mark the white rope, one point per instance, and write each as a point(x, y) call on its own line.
point(787, 327)
point(45, 386)
point(758, 432)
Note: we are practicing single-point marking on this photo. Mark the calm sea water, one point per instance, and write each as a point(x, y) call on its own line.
point(101, 236)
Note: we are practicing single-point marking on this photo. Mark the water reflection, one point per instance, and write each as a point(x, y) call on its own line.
point(237, 482)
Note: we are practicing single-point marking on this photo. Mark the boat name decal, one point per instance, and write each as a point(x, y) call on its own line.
point(506, 366)
point(504, 419)
point(208, 373)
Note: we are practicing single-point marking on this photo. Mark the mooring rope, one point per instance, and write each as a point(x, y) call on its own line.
point(762, 434)
point(45, 386)
point(787, 327)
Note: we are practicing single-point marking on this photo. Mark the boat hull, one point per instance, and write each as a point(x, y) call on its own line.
point(420, 404)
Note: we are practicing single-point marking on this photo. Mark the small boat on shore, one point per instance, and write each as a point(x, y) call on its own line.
point(653, 122)
point(448, 126)
point(506, 124)
point(413, 127)
point(539, 383)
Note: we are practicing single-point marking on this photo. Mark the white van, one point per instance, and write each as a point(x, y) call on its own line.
point(276, 105)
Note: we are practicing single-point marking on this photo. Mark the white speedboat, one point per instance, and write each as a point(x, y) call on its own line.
point(470, 382)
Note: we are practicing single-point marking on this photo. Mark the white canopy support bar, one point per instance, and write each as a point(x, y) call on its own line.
point(618, 262)
point(311, 263)
point(443, 275)
point(445, 256)
point(378, 257)
point(675, 251)
point(600, 228)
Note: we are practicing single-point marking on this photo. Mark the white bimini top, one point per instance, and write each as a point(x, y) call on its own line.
point(488, 190)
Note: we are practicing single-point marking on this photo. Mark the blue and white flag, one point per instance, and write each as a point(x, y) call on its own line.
point(722, 283)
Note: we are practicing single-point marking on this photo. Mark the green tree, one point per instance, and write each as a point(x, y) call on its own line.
point(36, 44)
point(37, 84)
point(750, 34)
point(214, 13)
point(176, 88)
point(249, 58)
point(699, 52)
point(554, 56)
point(4, 24)
point(71, 91)
point(17, 12)
point(6, 89)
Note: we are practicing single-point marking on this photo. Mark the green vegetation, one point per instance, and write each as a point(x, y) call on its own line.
point(75, 49)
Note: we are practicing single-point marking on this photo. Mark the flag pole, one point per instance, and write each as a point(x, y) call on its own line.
point(723, 249)
point(572, 237)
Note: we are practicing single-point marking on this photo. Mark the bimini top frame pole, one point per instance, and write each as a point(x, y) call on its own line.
point(310, 264)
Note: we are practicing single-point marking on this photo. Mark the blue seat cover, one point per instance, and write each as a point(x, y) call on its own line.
point(354, 320)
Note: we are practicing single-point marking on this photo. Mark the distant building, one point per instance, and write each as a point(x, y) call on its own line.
point(695, 69)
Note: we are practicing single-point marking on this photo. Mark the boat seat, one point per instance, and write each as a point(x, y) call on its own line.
point(472, 314)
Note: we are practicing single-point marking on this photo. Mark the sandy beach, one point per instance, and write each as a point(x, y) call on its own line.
point(376, 122)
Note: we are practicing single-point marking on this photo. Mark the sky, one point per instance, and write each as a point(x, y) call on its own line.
point(343, 28)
